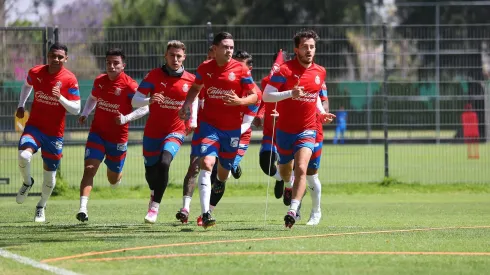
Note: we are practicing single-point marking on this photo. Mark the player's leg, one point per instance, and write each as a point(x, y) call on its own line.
point(188, 189)
point(342, 134)
point(236, 170)
point(51, 152)
point(314, 185)
point(151, 152)
point(94, 154)
point(337, 134)
point(303, 146)
point(267, 160)
point(29, 143)
point(115, 159)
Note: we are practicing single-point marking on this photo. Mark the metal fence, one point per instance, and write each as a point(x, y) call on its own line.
point(410, 82)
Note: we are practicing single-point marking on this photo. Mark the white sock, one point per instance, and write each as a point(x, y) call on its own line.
point(294, 205)
point(48, 186)
point(25, 165)
point(83, 203)
point(116, 184)
point(187, 202)
point(211, 208)
point(204, 183)
point(315, 188)
point(152, 193)
point(277, 176)
point(155, 206)
point(291, 181)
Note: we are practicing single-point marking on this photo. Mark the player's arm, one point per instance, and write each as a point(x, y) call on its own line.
point(273, 90)
point(134, 115)
point(185, 112)
point(194, 110)
point(145, 88)
point(90, 104)
point(25, 92)
point(71, 100)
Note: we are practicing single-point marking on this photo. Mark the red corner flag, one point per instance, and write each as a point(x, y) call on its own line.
point(277, 63)
point(275, 68)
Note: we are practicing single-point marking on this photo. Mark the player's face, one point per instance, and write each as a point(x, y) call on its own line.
point(114, 65)
point(244, 62)
point(306, 50)
point(56, 58)
point(174, 58)
point(224, 51)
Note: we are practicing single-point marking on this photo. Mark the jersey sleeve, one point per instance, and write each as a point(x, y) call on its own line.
point(95, 91)
point(147, 85)
point(246, 80)
point(201, 70)
point(278, 79)
point(132, 88)
point(323, 91)
point(253, 110)
point(30, 76)
point(73, 90)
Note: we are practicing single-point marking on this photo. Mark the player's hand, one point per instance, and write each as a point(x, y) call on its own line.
point(56, 92)
point(156, 98)
point(232, 99)
point(185, 112)
point(120, 119)
point(275, 113)
point(327, 118)
point(298, 91)
point(82, 119)
point(20, 112)
point(258, 122)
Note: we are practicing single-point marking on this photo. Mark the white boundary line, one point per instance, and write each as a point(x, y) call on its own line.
point(36, 264)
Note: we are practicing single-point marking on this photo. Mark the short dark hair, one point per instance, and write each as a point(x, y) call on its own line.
point(59, 46)
point(220, 37)
point(241, 54)
point(305, 34)
point(115, 52)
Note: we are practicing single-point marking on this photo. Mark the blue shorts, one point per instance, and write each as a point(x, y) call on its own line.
point(242, 149)
point(218, 143)
point(196, 143)
point(114, 153)
point(316, 156)
point(267, 145)
point(289, 144)
point(51, 146)
point(153, 147)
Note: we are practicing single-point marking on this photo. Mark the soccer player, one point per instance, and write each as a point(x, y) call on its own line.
point(312, 180)
point(296, 87)
point(164, 131)
point(108, 137)
point(249, 113)
point(55, 93)
point(193, 170)
point(341, 125)
point(265, 118)
point(228, 86)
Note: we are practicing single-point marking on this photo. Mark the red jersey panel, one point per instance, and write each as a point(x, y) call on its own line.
point(234, 77)
point(113, 97)
point(164, 117)
point(298, 114)
point(47, 114)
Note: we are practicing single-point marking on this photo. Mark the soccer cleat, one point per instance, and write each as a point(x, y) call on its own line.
point(40, 217)
point(288, 194)
point(315, 218)
point(182, 215)
point(23, 192)
point(236, 173)
point(290, 219)
point(208, 220)
point(151, 216)
point(278, 189)
point(82, 216)
point(199, 221)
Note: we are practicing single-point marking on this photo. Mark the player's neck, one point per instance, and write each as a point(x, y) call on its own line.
point(52, 70)
point(306, 65)
point(114, 77)
point(222, 63)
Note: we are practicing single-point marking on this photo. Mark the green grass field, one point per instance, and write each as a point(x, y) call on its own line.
point(445, 163)
point(404, 231)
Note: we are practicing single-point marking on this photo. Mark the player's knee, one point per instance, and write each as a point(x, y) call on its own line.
point(207, 163)
point(114, 178)
point(166, 159)
point(25, 157)
point(311, 171)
